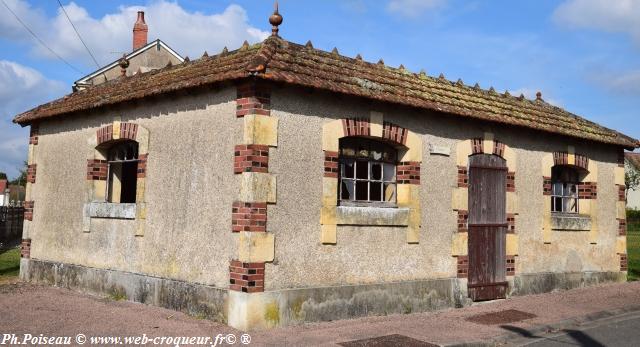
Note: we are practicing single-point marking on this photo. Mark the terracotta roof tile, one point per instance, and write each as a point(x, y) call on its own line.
point(282, 61)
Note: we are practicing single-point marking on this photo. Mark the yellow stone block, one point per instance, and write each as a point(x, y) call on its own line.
point(329, 191)
point(256, 247)
point(31, 155)
point(460, 244)
point(414, 148)
point(415, 217)
point(512, 202)
point(547, 164)
point(463, 151)
point(618, 173)
point(413, 234)
point(141, 227)
point(258, 187)
point(332, 132)
point(512, 244)
point(328, 215)
point(99, 190)
point(408, 195)
point(142, 137)
point(329, 234)
point(621, 208)
point(460, 199)
point(511, 158)
point(621, 245)
point(376, 123)
point(260, 130)
point(141, 210)
point(488, 143)
point(585, 206)
point(116, 130)
point(141, 184)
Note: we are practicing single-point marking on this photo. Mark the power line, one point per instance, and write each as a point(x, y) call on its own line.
point(77, 33)
point(39, 40)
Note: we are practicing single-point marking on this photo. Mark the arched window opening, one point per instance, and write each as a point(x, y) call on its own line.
point(367, 172)
point(122, 159)
point(564, 195)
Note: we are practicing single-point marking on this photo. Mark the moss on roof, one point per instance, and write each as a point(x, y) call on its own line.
point(278, 60)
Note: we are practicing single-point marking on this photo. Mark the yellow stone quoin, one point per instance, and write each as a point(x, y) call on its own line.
point(260, 130)
point(256, 247)
point(512, 244)
point(257, 187)
point(460, 244)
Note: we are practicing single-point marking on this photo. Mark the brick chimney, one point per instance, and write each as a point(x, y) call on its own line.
point(140, 31)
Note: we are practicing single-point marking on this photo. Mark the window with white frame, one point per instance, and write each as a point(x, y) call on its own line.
point(122, 159)
point(564, 193)
point(367, 172)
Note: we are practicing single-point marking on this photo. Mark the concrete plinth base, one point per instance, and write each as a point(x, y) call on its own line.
point(270, 309)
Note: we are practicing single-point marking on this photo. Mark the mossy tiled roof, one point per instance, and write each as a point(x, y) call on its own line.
point(278, 60)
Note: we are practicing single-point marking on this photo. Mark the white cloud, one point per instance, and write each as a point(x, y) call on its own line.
point(607, 15)
point(189, 33)
point(627, 83)
point(20, 88)
point(413, 8)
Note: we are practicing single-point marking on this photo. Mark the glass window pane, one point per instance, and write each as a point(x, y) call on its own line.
point(557, 202)
point(362, 190)
point(363, 151)
point(376, 171)
point(362, 170)
point(557, 189)
point(347, 190)
point(572, 190)
point(389, 172)
point(389, 192)
point(573, 205)
point(375, 191)
point(376, 152)
point(348, 169)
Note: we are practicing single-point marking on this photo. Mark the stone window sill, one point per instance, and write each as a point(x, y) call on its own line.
point(570, 222)
point(377, 216)
point(112, 210)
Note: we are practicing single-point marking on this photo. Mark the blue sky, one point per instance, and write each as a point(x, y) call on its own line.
point(581, 54)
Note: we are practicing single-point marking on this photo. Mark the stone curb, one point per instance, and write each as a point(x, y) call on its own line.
point(546, 328)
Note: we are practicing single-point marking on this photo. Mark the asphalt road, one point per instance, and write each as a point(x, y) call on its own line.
point(622, 330)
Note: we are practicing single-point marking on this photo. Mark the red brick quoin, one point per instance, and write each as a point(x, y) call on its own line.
point(28, 210)
point(251, 158)
point(463, 266)
point(621, 193)
point(249, 216)
point(463, 218)
point(246, 277)
point(463, 177)
point(127, 131)
point(546, 185)
point(356, 127)
point(25, 248)
point(588, 190)
point(253, 98)
point(142, 165)
point(96, 170)
point(31, 173)
point(331, 166)
point(408, 172)
point(622, 227)
point(624, 265)
point(511, 265)
point(511, 181)
point(34, 132)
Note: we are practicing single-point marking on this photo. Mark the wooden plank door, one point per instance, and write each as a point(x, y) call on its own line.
point(487, 227)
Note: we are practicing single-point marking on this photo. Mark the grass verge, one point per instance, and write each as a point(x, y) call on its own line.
point(633, 252)
point(9, 263)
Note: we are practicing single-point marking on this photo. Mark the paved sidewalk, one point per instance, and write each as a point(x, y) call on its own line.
point(26, 308)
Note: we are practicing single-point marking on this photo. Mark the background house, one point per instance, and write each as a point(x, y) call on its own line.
point(145, 57)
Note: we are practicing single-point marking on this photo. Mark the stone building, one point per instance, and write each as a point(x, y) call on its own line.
point(310, 186)
point(145, 57)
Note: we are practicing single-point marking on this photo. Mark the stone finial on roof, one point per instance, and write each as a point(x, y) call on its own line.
point(441, 77)
point(423, 73)
point(380, 62)
point(460, 82)
point(225, 50)
point(521, 97)
point(358, 57)
point(335, 51)
point(309, 44)
point(506, 93)
point(245, 45)
point(124, 64)
point(401, 67)
point(539, 96)
point(476, 86)
point(275, 20)
point(492, 90)
point(205, 54)
point(186, 59)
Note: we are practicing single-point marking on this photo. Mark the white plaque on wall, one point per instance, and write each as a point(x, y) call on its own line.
point(439, 150)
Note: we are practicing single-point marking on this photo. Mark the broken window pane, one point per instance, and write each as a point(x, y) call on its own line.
point(362, 170)
point(376, 171)
point(375, 191)
point(347, 190)
point(362, 190)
